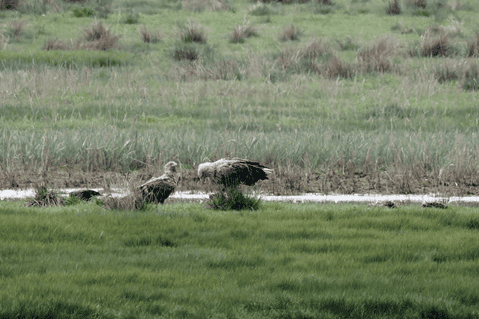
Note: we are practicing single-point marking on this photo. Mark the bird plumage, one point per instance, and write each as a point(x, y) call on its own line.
point(157, 189)
point(234, 172)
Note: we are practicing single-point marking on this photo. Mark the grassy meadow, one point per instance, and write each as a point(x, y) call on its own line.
point(283, 261)
point(336, 96)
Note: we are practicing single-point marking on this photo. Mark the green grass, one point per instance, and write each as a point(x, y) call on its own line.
point(299, 261)
point(65, 59)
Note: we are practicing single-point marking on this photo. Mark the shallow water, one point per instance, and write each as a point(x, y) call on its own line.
point(10, 194)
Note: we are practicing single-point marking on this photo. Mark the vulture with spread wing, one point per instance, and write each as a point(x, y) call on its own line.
point(157, 189)
point(233, 172)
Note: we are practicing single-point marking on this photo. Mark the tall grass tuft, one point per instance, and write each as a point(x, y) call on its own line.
point(56, 44)
point(183, 51)
point(148, 36)
point(471, 78)
point(17, 28)
point(449, 70)
point(378, 57)
point(322, 6)
point(9, 4)
point(290, 33)
point(44, 197)
point(259, 9)
point(3, 40)
point(347, 44)
point(435, 47)
point(393, 8)
point(131, 17)
point(192, 32)
point(99, 37)
point(473, 46)
point(81, 12)
point(337, 68)
point(243, 31)
point(204, 5)
point(232, 199)
point(305, 59)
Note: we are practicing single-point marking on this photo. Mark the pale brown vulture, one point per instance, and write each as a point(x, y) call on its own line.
point(157, 189)
point(233, 172)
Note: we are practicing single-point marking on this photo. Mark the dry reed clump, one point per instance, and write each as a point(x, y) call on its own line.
point(403, 29)
point(304, 60)
point(473, 46)
point(259, 9)
point(99, 38)
point(243, 31)
point(133, 201)
point(202, 5)
point(148, 36)
point(449, 70)
point(9, 4)
point(435, 47)
point(225, 69)
point(131, 17)
point(337, 68)
point(316, 48)
point(55, 44)
point(290, 33)
point(471, 77)
point(347, 44)
point(192, 32)
point(185, 52)
point(17, 27)
point(288, 60)
point(393, 8)
point(44, 197)
point(378, 57)
point(416, 3)
point(3, 40)
point(80, 12)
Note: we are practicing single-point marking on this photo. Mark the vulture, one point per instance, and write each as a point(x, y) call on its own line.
point(233, 172)
point(157, 189)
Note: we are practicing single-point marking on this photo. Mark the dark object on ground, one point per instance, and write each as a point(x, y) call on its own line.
point(233, 172)
point(390, 204)
point(157, 189)
point(434, 205)
point(85, 194)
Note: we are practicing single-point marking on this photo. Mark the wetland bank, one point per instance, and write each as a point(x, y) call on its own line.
point(335, 96)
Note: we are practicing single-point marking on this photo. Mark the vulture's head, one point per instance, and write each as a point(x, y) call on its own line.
point(170, 167)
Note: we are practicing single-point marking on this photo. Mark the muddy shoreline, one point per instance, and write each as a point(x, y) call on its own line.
point(278, 188)
point(279, 184)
